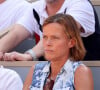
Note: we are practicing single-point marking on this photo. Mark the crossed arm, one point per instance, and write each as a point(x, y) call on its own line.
point(38, 49)
point(12, 39)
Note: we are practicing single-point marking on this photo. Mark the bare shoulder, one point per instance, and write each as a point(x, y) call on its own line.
point(83, 78)
point(28, 79)
point(82, 69)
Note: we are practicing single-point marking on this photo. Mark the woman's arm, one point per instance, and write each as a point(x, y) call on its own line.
point(83, 79)
point(28, 79)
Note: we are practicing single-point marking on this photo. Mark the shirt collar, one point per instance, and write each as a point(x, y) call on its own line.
point(42, 9)
point(46, 69)
point(66, 67)
point(44, 13)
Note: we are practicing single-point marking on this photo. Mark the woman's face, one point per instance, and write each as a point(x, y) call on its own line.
point(56, 44)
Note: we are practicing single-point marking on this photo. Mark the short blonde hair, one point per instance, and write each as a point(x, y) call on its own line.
point(72, 32)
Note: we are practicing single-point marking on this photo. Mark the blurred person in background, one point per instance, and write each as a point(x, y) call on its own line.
point(11, 11)
point(9, 80)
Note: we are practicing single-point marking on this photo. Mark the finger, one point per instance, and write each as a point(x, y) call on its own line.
point(6, 57)
point(13, 57)
point(18, 56)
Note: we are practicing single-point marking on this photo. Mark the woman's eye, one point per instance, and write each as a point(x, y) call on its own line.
point(55, 37)
point(44, 37)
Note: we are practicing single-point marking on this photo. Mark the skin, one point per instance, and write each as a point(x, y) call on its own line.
point(15, 36)
point(53, 7)
point(1, 1)
point(28, 80)
point(83, 79)
point(52, 40)
point(38, 49)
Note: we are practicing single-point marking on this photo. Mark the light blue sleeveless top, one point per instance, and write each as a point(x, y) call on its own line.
point(64, 80)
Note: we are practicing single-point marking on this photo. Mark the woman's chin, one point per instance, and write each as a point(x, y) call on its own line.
point(48, 58)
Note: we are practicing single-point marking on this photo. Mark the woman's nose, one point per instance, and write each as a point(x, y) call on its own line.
point(49, 42)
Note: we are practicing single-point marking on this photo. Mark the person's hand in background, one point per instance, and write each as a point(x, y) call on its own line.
point(15, 56)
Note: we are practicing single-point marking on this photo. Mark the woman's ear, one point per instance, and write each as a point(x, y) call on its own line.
point(72, 43)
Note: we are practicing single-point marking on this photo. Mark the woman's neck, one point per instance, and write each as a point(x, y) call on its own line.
point(53, 7)
point(56, 67)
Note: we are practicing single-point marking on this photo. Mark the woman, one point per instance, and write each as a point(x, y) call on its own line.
point(64, 50)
